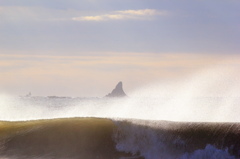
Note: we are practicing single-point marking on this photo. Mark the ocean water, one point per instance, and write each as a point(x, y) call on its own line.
point(121, 128)
point(197, 118)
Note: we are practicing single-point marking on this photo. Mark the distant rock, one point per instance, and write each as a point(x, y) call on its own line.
point(117, 91)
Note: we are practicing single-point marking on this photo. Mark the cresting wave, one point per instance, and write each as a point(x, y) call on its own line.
point(101, 138)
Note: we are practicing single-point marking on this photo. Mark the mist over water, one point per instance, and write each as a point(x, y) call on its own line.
point(212, 95)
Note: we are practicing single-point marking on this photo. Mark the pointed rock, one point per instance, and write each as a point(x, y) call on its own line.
point(117, 91)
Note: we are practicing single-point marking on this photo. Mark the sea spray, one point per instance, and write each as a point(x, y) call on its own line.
point(208, 96)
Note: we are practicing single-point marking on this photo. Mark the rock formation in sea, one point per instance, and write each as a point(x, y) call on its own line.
point(117, 91)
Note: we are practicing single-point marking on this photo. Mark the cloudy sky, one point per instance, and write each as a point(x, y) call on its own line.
point(84, 47)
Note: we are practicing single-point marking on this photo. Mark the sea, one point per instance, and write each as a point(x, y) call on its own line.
point(137, 127)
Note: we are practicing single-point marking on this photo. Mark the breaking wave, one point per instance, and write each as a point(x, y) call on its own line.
point(196, 118)
point(93, 138)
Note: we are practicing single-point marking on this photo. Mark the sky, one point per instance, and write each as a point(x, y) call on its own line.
point(84, 47)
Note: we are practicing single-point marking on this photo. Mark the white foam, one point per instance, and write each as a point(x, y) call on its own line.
point(140, 140)
point(210, 152)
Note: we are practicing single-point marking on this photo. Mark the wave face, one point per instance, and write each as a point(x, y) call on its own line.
point(60, 138)
point(99, 138)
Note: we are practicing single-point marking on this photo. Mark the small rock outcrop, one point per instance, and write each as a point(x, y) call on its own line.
point(117, 91)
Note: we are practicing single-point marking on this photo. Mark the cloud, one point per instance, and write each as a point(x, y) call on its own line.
point(22, 13)
point(143, 14)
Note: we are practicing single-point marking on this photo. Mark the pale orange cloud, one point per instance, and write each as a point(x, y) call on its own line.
point(141, 14)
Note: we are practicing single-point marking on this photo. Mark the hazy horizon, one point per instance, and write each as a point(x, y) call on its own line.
point(83, 48)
